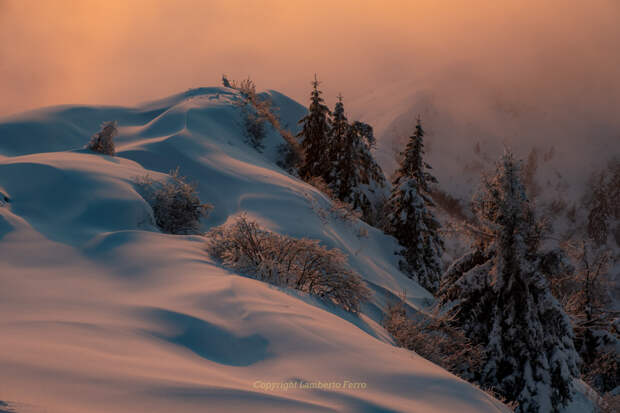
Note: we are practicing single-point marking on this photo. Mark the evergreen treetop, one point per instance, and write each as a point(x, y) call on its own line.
point(315, 132)
point(411, 219)
point(413, 164)
point(354, 177)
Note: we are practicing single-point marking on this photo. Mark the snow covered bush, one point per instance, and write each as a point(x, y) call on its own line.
point(302, 264)
point(435, 340)
point(177, 209)
point(103, 141)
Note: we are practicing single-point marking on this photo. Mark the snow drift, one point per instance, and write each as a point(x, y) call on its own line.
point(100, 311)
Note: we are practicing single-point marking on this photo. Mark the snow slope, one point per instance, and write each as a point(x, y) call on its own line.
point(101, 312)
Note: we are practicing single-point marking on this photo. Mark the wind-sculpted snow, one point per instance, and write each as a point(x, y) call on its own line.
point(101, 312)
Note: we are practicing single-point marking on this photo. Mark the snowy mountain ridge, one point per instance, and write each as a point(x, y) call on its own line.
point(100, 311)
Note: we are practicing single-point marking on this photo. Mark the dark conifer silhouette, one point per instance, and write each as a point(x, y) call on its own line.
point(314, 134)
point(411, 219)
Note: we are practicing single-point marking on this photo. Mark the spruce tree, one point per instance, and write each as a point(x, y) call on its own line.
point(354, 176)
point(502, 300)
point(411, 219)
point(315, 132)
point(337, 136)
point(359, 179)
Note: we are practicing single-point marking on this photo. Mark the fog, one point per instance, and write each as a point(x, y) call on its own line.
point(62, 51)
point(554, 61)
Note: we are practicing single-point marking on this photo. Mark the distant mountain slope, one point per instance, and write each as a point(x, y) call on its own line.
point(469, 121)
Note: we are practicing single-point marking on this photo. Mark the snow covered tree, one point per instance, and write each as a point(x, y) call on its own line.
point(103, 141)
point(500, 297)
point(410, 215)
point(315, 133)
point(337, 134)
point(356, 178)
point(353, 177)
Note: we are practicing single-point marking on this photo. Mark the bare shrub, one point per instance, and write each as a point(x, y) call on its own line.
point(177, 209)
point(435, 340)
point(451, 205)
point(258, 110)
point(338, 209)
point(603, 372)
point(571, 213)
point(103, 141)
point(302, 264)
point(609, 403)
point(602, 201)
point(247, 86)
point(511, 405)
point(254, 126)
point(585, 295)
point(289, 155)
point(253, 111)
point(532, 187)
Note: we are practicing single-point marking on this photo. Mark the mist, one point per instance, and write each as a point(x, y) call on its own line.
point(103, 52)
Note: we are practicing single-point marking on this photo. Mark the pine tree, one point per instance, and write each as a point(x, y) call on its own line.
point(501, 298)
point(411, 219)
point(337, 136)
point(354, 176)
point(315, 132)
point(361, 181)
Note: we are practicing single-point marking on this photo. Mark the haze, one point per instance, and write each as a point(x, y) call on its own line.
point(124, 52)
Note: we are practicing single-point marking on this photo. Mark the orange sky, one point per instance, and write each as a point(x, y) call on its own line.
point(127, 51)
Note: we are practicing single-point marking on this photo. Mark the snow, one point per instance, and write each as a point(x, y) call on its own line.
point(101, 312)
